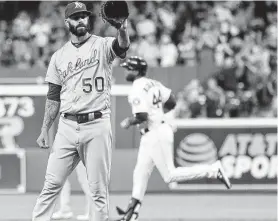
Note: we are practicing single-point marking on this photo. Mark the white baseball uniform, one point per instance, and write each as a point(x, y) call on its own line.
point(85, 74)
point(156, 146)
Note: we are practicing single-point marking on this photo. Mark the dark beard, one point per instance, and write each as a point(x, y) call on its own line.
point(79, 32)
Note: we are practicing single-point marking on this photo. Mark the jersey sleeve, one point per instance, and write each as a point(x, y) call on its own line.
point(165, 92)
point(52, 74)
point(108, 48)
point(138, 103)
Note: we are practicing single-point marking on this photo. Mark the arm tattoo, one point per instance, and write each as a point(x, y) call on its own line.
point(51, 111)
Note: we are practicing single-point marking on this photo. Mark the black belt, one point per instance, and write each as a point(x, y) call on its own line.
point(146, 130)
point(83, 118)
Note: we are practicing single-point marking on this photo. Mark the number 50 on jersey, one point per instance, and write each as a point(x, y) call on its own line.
point(90, 84)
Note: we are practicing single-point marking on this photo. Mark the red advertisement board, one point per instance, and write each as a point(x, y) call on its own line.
point(247, 151)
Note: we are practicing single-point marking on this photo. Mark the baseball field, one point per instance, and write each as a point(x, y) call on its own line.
point(165, 207)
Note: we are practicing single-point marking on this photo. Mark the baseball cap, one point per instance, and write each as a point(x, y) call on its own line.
point(76, 7)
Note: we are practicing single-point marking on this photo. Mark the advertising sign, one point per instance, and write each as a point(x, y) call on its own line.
point(248, 154)
point(22, 112)
point(20, 120)
point(12, 171)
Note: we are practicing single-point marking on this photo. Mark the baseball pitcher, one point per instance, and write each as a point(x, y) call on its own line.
point(148, 99)
point(79, 77)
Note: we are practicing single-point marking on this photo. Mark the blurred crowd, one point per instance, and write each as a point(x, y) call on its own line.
point(176, 32)
point(225, 96)
point(32, 36)
point(239, 37)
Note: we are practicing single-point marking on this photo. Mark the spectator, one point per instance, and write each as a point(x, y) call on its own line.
point(21, 37)
point(265, 94)
point(145, 26)
point(187, 51)
point(21, 25)
point(40, 31)
point(194, 98)
point(148, 49)
point(3, 32)
point(215, 100)
point(7, 58)
point(232, 105)
point(167, 16)
point(168, 52)
point(181, 109)
point(222, 12)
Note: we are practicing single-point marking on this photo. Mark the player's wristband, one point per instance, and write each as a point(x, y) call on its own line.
point(54, 92)
point(117, 49)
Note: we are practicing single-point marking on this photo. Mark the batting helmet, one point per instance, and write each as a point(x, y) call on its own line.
point(135, 63)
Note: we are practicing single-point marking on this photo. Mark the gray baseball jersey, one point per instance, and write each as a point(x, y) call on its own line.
point(85, 75)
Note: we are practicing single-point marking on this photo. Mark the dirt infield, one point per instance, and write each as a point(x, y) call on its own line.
point(165, 207)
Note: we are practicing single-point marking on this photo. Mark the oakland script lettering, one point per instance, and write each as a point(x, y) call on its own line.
point(79, 65)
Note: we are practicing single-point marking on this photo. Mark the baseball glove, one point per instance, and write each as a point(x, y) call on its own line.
point(114, 12)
